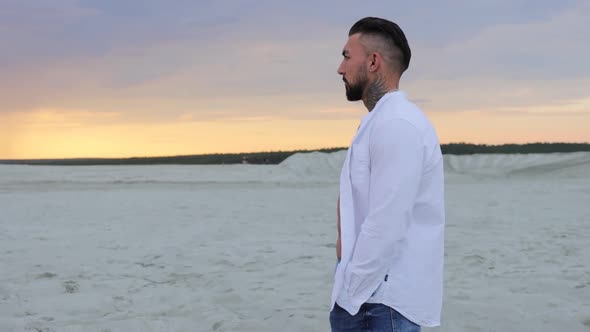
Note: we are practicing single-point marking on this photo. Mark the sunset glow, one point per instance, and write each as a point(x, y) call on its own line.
point(96, 79)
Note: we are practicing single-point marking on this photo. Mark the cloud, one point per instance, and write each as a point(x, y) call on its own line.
point(538, 50)
point(279, 58)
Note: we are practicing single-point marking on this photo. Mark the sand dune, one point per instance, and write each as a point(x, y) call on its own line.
point(251, 248)
point(568, 164)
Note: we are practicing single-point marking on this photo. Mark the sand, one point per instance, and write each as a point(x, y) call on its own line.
point(251, 248)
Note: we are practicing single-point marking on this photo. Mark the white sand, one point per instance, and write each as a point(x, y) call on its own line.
point(251, 248)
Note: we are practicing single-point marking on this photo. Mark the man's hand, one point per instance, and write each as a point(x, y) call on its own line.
point(338, 243)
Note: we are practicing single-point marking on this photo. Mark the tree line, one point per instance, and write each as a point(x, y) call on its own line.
point(277, 157)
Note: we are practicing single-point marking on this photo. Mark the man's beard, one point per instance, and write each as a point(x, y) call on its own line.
point(354, 92)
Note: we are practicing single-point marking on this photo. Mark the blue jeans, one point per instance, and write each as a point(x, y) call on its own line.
point(372, 317)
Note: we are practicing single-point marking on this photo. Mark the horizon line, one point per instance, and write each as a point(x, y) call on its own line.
point(332, 149)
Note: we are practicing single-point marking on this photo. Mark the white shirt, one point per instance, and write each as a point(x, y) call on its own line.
point(392, 214)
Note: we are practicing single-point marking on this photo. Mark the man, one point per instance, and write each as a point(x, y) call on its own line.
point(391, 205)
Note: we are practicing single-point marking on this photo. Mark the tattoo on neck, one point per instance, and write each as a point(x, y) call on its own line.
point(374, 92)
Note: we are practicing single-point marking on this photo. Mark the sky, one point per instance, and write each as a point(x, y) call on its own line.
point(122, 78)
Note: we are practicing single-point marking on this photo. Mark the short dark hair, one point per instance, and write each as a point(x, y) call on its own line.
point(390, 32)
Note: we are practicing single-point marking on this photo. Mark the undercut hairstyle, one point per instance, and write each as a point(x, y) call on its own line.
point(386, 38)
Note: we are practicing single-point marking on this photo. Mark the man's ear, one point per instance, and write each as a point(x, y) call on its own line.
point(374, 62)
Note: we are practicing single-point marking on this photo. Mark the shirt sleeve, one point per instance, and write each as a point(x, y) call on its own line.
point(396, 160)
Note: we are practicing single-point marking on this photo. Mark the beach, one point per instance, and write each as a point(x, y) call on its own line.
point(252, 247)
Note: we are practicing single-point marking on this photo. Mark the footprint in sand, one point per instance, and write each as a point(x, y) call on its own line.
point(473, 260)
point(46, 275)
point(37, 327)
point(217, 325)
point(71, 286)
point(121, 303)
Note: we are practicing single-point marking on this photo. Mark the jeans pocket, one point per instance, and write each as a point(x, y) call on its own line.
point(401, 323)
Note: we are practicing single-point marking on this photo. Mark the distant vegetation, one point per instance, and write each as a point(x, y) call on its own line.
point(465, 148)
point(204, 159)
point(279, 156)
